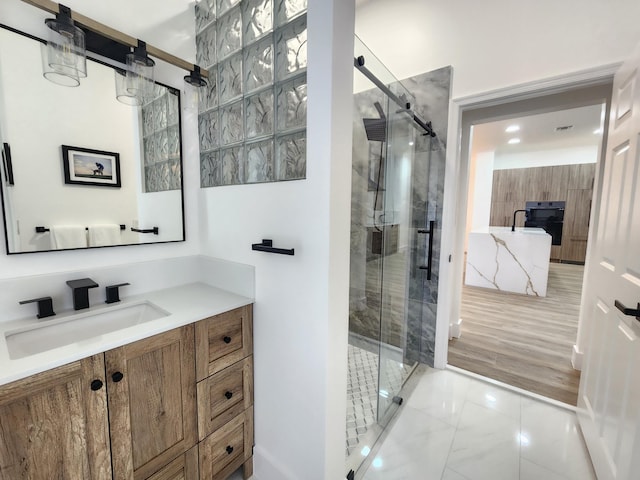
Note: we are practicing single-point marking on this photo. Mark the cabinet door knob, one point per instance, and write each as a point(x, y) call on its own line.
point(96, 385)
point(228, 395)
point(229, 449)
point(117, 376)
point(227, 339)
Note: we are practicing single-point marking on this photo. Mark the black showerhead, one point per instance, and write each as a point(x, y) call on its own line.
point(376, 128)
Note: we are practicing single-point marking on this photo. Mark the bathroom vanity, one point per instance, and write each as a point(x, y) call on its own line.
point(509, 261)
point(168, 398)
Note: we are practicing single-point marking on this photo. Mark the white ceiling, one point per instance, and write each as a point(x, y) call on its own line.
point(538, 132)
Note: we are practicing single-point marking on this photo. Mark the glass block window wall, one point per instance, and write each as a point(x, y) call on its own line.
point(253, 114)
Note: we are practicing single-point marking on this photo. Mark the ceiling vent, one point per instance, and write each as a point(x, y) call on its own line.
point(564, 128)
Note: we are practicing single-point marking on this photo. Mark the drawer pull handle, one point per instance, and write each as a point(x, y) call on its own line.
point(229, 449)
point(96, 385)
point(226, 339)
point(117, 376)
point(228, 395)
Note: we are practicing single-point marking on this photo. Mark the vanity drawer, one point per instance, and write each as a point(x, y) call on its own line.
point(225, 395)
point(226, 449)
point(223, 340)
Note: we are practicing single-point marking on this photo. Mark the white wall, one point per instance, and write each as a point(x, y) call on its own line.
point(167, 26)
point(497, 43)
point(480, 187)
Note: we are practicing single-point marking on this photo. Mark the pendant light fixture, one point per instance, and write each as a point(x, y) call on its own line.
point(194, 82)
point(135, 85)
point(64, 58)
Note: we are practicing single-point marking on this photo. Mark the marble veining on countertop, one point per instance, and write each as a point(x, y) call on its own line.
point(184, 304)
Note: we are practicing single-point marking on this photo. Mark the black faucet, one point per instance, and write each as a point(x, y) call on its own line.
point(45, 306)
point(113, 292)
point(80, 289)
point(513, 225)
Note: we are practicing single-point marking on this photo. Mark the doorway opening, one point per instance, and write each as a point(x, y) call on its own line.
point(531, 171)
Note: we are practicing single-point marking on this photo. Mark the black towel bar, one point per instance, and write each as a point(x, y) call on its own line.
point(153, 230)
point(45, 229)
point(267, 246)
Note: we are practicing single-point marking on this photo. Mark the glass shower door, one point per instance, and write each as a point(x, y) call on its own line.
point(396, 281)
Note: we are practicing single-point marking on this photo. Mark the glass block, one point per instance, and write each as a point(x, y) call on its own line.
point(258, 65)
point(173, 134)
point(161, 145)
point(160, 113)
point(291, 49)
point(229, 34)
point(205, 13)
point(173, 109)
point(259, 165)
point(150, 179)
point(147, 120)
point(206, 47)
point(232, 165)
point(210, 170)
point(231, 124)
point(259, 114)
point(257, 16)
point(230, 78)
point(208, 128)
point(149, 150)
point(208, 96)
point(292, 104)
point(288, 9)
point(225, 5)
point(175, 174)
point(162, 177)
point(291, 156)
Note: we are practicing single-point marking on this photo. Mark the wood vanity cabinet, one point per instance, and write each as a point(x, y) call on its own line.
point(53, 425)
point(175, 406)
point(152, 402)
point(224, 370)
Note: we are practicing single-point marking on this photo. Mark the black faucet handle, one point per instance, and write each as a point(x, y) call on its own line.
point(113, 292)
point(45, 306)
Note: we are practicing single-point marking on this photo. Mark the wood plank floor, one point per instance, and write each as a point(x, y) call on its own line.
point(521, 340)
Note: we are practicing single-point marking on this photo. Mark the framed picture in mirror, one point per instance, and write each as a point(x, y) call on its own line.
point(85, 166)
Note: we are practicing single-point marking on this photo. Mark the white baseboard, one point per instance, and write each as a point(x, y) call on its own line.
point(576, 358)
point(455, 329)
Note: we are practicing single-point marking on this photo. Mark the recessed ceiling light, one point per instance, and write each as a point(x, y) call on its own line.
point(597, 131)
point(513, 141)
point(512, 128)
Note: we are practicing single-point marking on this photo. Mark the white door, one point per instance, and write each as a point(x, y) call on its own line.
point(609, 397)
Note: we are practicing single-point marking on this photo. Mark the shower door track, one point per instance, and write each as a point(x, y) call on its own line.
point(404, 105)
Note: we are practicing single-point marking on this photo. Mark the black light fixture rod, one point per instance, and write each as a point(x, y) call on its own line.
point(358, 62)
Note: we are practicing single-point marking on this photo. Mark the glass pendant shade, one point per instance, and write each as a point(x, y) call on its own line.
point(64, 59)
point(135, 85)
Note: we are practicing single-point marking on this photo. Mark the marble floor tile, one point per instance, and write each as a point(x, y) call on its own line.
point(416, 447)
point(441, 394)
point(486, 445)
point(495, 398)
point(533, 471)
point(552, 438)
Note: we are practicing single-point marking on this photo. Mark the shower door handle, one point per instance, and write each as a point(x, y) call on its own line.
point(429, 232)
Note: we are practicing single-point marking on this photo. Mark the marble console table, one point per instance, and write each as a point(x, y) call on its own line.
point(509, 261)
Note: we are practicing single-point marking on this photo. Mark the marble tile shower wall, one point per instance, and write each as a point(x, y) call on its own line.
point(253, 114)
point(161, 142)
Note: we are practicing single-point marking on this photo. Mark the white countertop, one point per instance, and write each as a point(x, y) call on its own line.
point(507, 230)
point(185, 304)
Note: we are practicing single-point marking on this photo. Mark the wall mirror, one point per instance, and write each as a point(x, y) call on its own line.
point(77, 160)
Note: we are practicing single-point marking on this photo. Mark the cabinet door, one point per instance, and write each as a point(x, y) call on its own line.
point(223, 340)
point(152, 410)
point(185, 467)
point(54, 424)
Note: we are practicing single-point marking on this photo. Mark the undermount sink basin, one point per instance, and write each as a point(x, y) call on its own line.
point(50, 334)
